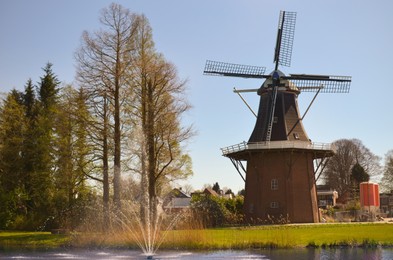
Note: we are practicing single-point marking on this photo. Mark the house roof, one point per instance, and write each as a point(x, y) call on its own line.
point(178, 193)
point(210, 191)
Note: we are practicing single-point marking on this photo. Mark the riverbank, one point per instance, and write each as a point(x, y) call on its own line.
point(252, 237)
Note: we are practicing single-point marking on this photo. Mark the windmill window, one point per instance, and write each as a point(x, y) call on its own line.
point(274, 184)
point(274, 204)
point(296, 136)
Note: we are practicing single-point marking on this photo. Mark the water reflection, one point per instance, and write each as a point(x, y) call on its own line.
point(281, 254)
point(336, 253)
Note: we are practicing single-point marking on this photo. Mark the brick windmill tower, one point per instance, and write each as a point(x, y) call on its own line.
point(279, 161)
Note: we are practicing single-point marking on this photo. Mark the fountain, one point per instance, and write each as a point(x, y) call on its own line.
point(148, 233)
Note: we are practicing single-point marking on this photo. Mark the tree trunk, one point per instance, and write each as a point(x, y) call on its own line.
point(116, 174)
point(151, 153)
point(106, 218)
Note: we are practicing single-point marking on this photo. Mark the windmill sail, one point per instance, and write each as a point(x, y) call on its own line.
point(328, 84)
point(217, 68)
point(285, 36)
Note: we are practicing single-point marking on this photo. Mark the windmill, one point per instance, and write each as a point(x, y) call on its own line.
point(281, 161)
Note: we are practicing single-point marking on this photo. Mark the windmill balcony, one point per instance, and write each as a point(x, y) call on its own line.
point(277, 145)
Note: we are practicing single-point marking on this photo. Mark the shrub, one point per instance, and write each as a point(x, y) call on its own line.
point(217, 211)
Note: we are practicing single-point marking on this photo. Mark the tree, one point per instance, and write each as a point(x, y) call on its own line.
point(157, 109)
point(44, 154)
point(72, 155)
point(31, 120)
point(387, 179)
point(29, 101)
point(229, 192)
point(104, 61)
point(210, 210)
point(99, 131)
point(30, 147)
point(216, 211)
point(216, 188)
point(12, 130)
point(31, 134)
point(337, 173)
point(358, 175)
point(137, 98)
point(48, 90)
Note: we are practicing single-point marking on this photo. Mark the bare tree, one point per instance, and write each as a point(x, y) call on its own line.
point(387, 179)
point(158, 106)
point(104, 60)
point(126, 76)
point(349, 152)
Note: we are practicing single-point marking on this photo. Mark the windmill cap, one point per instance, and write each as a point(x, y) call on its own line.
point(285, 85)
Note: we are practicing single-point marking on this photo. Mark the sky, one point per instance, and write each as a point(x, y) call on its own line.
point(335, 37)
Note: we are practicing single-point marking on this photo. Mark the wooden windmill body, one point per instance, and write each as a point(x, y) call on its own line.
point(279, 156)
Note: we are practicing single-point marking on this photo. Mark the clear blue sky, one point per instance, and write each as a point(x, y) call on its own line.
point(336, 37)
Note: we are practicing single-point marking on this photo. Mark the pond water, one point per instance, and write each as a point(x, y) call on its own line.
point(340, 253)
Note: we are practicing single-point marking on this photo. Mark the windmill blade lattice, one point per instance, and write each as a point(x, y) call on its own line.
point(327, 84)
point(217, 68)
point(285, 36)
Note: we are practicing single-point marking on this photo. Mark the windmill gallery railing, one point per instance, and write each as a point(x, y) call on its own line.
point(277, 145)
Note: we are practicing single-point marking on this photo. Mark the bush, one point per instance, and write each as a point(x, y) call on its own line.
point(217, 211)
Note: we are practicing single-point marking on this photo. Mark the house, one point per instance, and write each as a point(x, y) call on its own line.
point(326, 196)
point(207, 191)
point(386, 203)
point(210, 191)
point(176, 200)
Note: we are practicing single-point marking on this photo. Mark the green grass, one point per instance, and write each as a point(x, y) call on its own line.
point(280, 236)
point(283, 236)
point(32, 240)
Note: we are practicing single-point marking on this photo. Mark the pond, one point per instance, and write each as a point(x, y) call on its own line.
point(340, 253)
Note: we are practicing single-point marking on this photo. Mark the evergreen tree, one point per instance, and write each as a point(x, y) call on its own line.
point(30, 138)
point(29, 101)
point(42, 185)
point(48, 90)
point(13, 193)
point(216, 187)
point(358, 175)
point(71, 153)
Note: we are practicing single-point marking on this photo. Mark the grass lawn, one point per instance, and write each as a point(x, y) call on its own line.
point(283, 236)
point(32, 240)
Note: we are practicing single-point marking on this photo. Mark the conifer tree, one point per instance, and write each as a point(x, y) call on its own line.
point(358, 175)
point(72, 151)
point(30, 137)
point(42, 179)
point(12, 129)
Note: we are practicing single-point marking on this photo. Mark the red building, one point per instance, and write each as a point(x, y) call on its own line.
point(369, 196)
